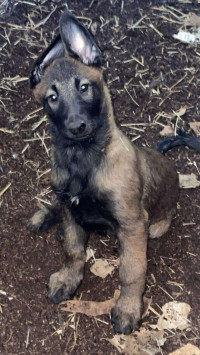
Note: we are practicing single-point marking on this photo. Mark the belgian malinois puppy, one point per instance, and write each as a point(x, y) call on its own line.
point(103, 183)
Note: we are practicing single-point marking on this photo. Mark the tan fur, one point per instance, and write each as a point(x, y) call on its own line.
point(144, 188)
point(133, 175)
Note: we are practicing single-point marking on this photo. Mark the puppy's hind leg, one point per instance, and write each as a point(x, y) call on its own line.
point(45, 218)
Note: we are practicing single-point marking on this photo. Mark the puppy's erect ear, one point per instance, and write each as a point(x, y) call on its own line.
point(73, 37)
point(55, 50)
point(78, 40)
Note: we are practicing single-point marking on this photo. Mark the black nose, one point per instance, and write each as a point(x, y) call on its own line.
point(77, 127)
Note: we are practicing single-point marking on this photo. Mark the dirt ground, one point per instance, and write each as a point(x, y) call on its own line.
point(151, 77)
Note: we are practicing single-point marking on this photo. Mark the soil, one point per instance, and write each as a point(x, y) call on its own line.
point(151, 76)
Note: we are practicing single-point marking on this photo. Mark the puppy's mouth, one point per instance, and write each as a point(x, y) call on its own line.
point(81, 137)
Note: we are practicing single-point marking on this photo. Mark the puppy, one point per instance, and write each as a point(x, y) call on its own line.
point(103, 183)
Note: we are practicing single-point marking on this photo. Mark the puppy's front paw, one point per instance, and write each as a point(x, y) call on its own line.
point(124, 323)
point(63, 284)
point(42, 220)
point(126, 315)
point(59, 294)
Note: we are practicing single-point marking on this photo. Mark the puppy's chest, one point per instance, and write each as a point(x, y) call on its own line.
point(94, 214)
point(93, 211)
point(91, 208)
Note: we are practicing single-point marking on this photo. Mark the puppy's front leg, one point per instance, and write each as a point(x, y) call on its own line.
point(133, 245)
point(63, 284)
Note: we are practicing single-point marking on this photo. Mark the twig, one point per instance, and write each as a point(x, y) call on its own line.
point(166, 292)
point(178, 82)
point(42, 22)
point(5, 189)
point(4, 130)
point(27, 338)
point(155, 29)
point(44, 201)
point(135, 138)
point(138, 22)
point(130, 96)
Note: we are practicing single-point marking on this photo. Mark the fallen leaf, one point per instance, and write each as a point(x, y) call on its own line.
point(188, 181)
point(192, 20)
point(187, 349)
point(140, 343)
point(102, 268)
point(174, 316)
point(150, 342)
point(181, 111)
point(195, 127)
point(167, 131)
point(90, 308)
point(93, 309)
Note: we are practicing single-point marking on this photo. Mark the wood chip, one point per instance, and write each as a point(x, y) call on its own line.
point(188, 181)
point(195, 126)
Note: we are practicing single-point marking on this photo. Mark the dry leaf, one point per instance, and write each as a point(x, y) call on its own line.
point(167, 131)
point(192, 20)
point(174, 316)
point(188, 181)
point(196, 127)
point(90, 308)
point(102, 268)
point(150, 341)
point(187, 349)
point(140, 343)
point(181, 111)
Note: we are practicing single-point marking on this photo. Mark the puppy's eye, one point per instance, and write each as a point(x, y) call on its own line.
point(53, 98)
point(84, 88)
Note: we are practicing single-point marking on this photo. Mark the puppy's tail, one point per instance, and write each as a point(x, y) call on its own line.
point(181, 139)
